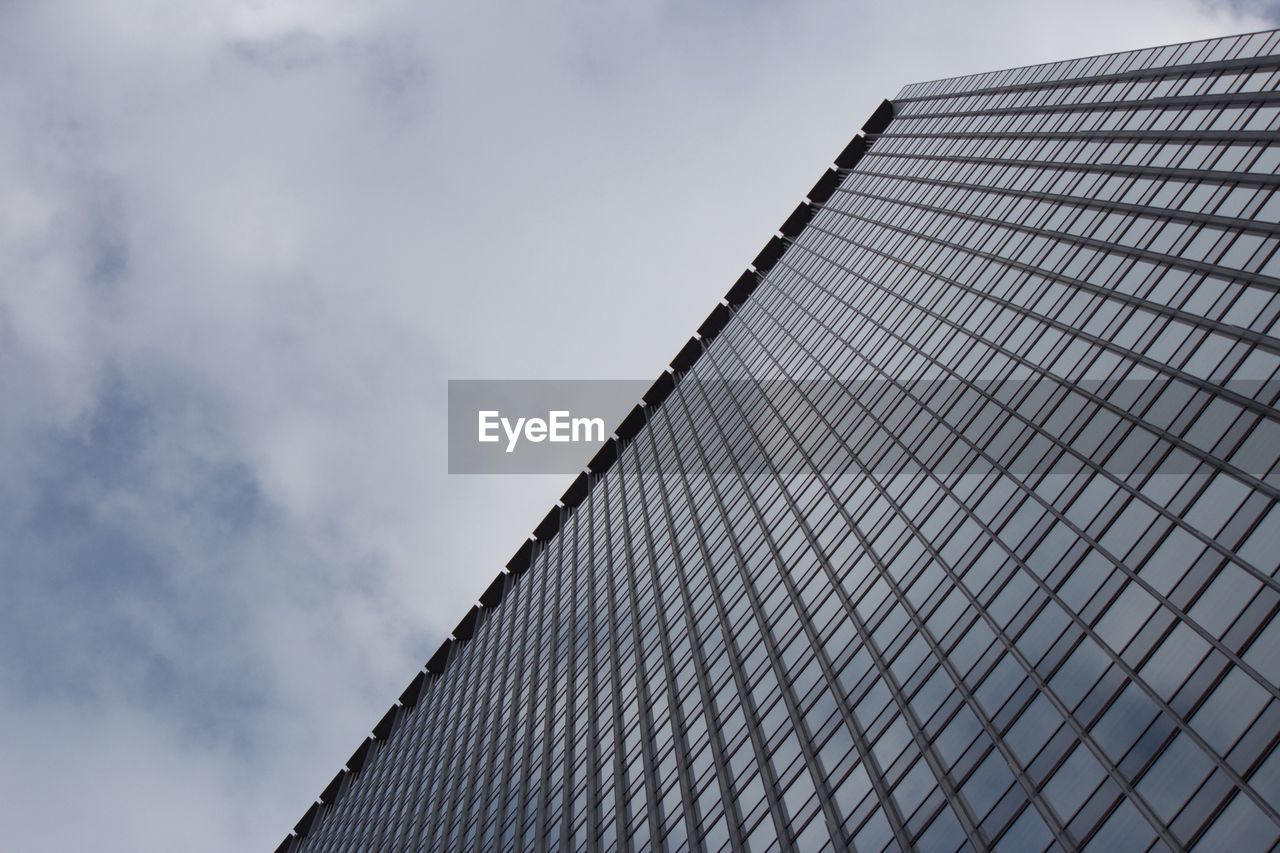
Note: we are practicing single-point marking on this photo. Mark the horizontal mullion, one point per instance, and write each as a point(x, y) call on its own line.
point(1238, 64)
point(1101, 135)
point(1222, 99)
point(1266, 281)
point(1098, 204)
point(1220, 176)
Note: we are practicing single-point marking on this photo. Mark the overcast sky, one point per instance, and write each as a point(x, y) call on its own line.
point(243, 245)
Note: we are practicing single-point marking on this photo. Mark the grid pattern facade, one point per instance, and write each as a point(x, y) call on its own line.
point(962, 535)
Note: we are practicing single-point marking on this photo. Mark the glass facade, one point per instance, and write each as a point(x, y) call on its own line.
point(961, 533)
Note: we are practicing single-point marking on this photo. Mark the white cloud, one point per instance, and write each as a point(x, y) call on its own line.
point(242, 247)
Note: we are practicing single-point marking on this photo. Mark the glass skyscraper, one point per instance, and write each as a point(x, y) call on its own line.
point(955, 526)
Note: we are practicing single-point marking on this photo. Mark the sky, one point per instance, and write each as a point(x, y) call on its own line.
point(244, 245)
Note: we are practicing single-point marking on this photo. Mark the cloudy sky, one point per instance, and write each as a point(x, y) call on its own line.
point(244, 244)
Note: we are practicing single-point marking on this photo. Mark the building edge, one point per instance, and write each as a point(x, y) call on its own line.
point(737, 295)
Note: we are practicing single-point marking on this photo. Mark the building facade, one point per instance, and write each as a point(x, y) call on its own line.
point(954, 528)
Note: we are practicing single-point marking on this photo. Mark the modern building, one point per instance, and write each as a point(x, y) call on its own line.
point(955, 527)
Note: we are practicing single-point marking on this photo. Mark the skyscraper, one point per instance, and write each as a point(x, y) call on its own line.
point(954, 527)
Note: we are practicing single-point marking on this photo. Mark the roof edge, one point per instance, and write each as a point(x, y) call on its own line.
point(526, 555)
